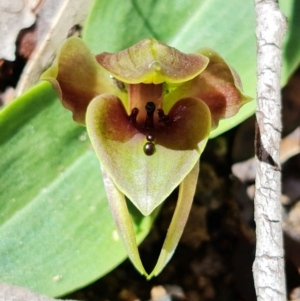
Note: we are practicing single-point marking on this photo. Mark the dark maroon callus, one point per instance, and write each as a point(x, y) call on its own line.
point(133, 115)
point(149, 148)
point(162, 117)
point(150, 137)
point(150, 108)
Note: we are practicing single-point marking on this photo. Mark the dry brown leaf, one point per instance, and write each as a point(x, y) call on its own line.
point(55, 20)
point(15, 15)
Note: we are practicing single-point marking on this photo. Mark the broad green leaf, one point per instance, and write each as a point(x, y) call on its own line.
point(56, 230)
point(291, 45)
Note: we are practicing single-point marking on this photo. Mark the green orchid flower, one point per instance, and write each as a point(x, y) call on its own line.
point(148, 110)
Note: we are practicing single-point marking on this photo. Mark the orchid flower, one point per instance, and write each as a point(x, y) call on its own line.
point(148, 110)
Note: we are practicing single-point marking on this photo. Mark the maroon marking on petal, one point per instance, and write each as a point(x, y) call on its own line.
point(189, 123)
point(76, 100)
point(114, 122)
point(149, 122)
point(216, 87)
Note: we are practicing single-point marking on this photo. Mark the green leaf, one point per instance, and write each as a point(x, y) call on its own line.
point(291, 45)
point(56, 229)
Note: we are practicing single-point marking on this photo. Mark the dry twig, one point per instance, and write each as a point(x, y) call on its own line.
point(268, 268)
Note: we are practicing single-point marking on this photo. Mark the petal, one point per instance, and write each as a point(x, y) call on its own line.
point(151, 61)
point(77, 78)
point(219, 86)
point(123, 221)
point(122, 218)
point(147, 180)
point(184, 203)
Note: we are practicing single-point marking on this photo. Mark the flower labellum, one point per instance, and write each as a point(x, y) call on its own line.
point(148, 110)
